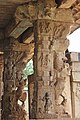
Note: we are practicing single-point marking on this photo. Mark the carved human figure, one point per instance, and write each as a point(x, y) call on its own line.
point(20, 94)
point(62, 72)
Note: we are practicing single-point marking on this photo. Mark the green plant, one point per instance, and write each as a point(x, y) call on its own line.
point(28, 69)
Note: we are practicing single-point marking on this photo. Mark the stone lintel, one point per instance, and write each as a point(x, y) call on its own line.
point(21, 27)
point(14, 45)
point(15, 30)
point(22, 47)
point(28, 36)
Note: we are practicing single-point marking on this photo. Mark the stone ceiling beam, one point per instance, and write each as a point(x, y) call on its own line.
point(15, 30)
point(21, 27)
point(27, 36)
point(16, 46)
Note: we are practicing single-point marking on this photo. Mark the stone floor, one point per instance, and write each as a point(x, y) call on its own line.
point(59, 119)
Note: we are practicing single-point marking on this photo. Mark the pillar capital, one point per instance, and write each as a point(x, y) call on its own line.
point(43, 9)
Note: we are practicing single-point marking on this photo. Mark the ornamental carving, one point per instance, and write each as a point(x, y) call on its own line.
point(76, 12)
point(43, 10)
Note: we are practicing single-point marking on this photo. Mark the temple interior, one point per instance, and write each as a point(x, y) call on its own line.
point(39, 76)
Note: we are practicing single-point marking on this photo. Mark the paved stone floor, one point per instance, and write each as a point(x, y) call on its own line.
point(58, 119)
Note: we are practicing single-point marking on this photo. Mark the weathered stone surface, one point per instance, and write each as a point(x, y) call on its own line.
point(20, 28)
point(76, 12)
point(75, 84)
point(13, 84)
point(51, 25)
point(76, 75)
point(14, 45)
point(59, 15)
point(67, 3)
point(76, 90)
point(43, 10)
point(75, 66)
point(74, 56)
point(51, 71)
point(67, 95)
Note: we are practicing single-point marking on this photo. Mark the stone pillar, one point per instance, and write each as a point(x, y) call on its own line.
point(75, 84)
point(50, 30)
point(31, 94)
point(13, 82)
point(1, 82)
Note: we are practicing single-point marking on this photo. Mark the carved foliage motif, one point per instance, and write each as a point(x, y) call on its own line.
point(31, 11)
point(44, 9)
point(25, 12)
point(57, 29)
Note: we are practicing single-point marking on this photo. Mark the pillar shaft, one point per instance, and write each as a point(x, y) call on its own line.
point(13, 83)
point(44, 69)
point(9, 98)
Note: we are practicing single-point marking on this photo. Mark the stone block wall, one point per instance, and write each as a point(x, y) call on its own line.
point(75, 83)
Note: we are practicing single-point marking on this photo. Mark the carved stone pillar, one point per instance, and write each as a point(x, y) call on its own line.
point(13, 82)
point(50, 30)
point(1, 82)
